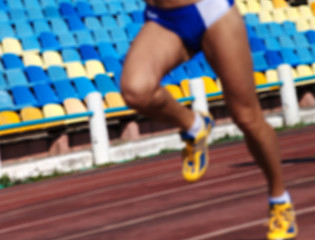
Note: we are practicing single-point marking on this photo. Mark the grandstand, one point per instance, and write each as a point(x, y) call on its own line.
point(55, 52)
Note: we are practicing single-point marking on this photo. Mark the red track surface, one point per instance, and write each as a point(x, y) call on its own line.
point(148, 199)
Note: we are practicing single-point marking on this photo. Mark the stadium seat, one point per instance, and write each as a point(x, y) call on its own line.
point(290, 57)
point(286, 42)
point(23, 29)
point(99, 9)
point(56, 73)
point(130, 6)
point(92, 23)
point(104, 84)
point(40, 26)
point(74, 105)
point(272, 43)
point(122, 48)
point(94, 67)
point(84, 37)
point(11, 45)
point(8, 117)
point(88, 52)
point(114, 99)
point(107, 50)
point(84, 9)
point(3, 82)
point(32, 59)
point(17, 14)
point(84, 86)
point(45, 94)
point(251, 19)
point(259, 78)
point(6, 30)
point(303, 25)
point(58, 26)
point(100, 36)
point(273, 59)
point(304, 71)
point(11, 61)
point(266, 5)
point(112, 64)
point(34, 14)
point(75, 23)
point(275, 29)
point(300, 40)
point(289, 28)
point(6, 102)
point(48, 41)
point(114, 7)
point(253, 6)
point(305, 55)
point(123, 19)
point(272, 76)
point(174, 90)
point(51, 12)
point(53, 110)
point(67, 40)
point(133, 30)
point(265, 16)
point(23, 96)
point(32, 4)
point(46, 3)
point(262, 30)
point(51, 58)
point(65, 90)
point(138, 17)
point(36, 74)
point(260, 63)
point(16, 77)
point(70, 55)
point(67, 10)
point(292, 14)
point(30, 43)
point(30, 114)
point(242, 8)
point(75, 69)
point(257, 45)
point(4, 18)
point(108, 22)
point(310, 36)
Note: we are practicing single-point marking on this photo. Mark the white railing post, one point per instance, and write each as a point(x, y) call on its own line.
point(197, 90)
point(288, 96)
point(98, 129)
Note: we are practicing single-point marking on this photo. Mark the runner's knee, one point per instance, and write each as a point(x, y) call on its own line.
point(249, 121)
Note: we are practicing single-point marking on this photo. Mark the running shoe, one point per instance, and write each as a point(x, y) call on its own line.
point(282, 223)
point(195, 156)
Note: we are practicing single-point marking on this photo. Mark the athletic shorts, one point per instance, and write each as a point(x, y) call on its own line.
point(191, 21)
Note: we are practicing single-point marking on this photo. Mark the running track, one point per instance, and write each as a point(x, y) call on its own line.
point(148, 200)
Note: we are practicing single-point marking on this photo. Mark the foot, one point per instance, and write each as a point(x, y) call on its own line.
point(195, 156)
point(282, 223)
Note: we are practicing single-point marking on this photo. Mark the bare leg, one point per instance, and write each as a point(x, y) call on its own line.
point(225, 45)
point(154, 52)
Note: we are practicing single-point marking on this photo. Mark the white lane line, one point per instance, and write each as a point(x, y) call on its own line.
point(244, 226)
point(178, 210)
point(128, 201)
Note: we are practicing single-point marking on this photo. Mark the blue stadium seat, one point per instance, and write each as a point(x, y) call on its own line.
point(272, 44)
point(16, 77)
point(75, 23)
point(286, 42)
point(84, 9)
point(45, 94)
point(84, 37)
point(194, 69)
point(30, 43)
point(84, 86)
point(114, 7)
point(112, 64)
point(107, 50)
point(6, 102)
point(1, 67)
point(41, 26)
point(100, 35)
point(17, 14)
point(48, 41)
point(310, 36)
point(123, 19)
point(88, 52)
point(122, 47)
point(48, 3)
point(289, 28)
point(200, 58)
point(251, 19)
point(99, 9)
point(4, 18)
point(118, 34)
point(273, 59)
point(58, 26)
point(70, 55)
point(305, 55)
point(56, 73)
point(178, 74)
point(6, 30)
point(262, 30)
point(34, 14)
point(141, 4)
point(108, 22)
point(300, 40)
point(32, 4)
point(23, 29)
point(67, 40)
point(257, 44)
point(65, 90)
point(11, 61)
point(3, 5)
point(250, 31)
point(51, 12)
point(23, 96)
point(36, 74)
point(138, 16)
point(130, 6)
point(167, 79)
point(3, 83)
point(276, 30)
point(290, 57)
point(17, 4)
point(133, 30)
point(92, 23)
point(104, 84)
point(260, 63)
point(66, 9)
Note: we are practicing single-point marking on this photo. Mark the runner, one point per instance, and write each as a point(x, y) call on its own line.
point(173, 30)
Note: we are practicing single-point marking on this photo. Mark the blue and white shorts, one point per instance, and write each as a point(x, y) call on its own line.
point(191, 21)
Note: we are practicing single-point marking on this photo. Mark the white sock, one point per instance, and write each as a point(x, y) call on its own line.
point(284, 198)
point(197, 125)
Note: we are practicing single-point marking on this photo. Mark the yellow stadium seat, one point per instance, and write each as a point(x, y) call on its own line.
point(312, 23)
point(253, 6)
point(266, 5)
point(259, 78)
point(74, 105)
point(53, 110)
point(12, 45)
point(29, 114)
point(9, 117)
point(265, 16)
point(32, 59)
point(210, 85)
point(304, 71)
point(302, 25)
point(279, 3)
point(279, 15)
point(292, 13)
point(114, 99)
point(294, 73)
point(184, 84)
point(272, 76)
point(174, 90)
point(52, 58)
point(305, 11)
point(94, 67)
point(242, 8)
point(75, 69)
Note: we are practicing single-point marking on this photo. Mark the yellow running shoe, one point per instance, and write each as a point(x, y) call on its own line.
point(195, 156)
point(282, 223)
